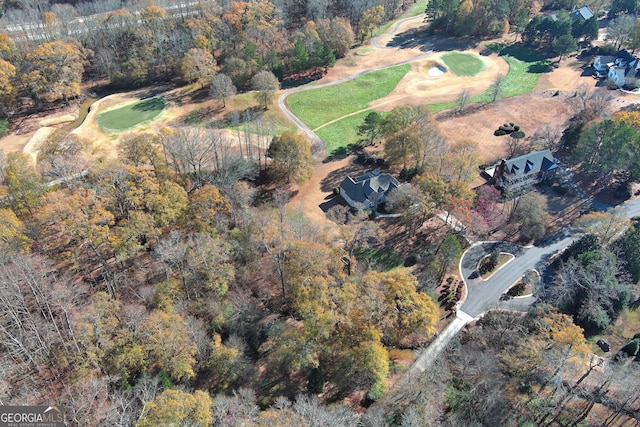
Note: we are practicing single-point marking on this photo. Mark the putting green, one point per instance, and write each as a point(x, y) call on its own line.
point(131, 115)
point(463, 64)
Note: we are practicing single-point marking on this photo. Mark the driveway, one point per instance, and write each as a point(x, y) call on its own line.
point(485, 294)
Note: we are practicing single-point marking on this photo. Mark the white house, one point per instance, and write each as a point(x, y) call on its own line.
point(624, 69)
point(602, 63)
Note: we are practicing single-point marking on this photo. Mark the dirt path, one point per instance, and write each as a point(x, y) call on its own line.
point(310, 195)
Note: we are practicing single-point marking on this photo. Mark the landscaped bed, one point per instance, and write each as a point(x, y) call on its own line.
point(492, 263)
point(525, 285)
point(131, 115)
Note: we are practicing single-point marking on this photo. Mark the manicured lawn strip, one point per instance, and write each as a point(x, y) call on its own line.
point(130, 115)
point(462, 64)
point(339, 134)
point(316, 107)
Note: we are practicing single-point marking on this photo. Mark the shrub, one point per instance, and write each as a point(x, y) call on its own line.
point(560, 189)
point(517, 135)
point(623, 191)
point(511, 124)
point(516, 128)
point(517, 290)
point(4, 126)
point(631, 349)
point(499, 132)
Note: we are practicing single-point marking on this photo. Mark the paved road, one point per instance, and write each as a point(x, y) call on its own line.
point(483, 295)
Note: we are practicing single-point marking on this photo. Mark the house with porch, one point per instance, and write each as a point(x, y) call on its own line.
point(367, 191)
point(623, 68)
point(518, 174)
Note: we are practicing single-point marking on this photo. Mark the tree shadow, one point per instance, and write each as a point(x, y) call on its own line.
point(355, 168)
point(540, 67)
point(150, 104)
point(241, 117)
point(425, 41)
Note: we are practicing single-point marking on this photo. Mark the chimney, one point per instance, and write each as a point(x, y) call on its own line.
point(500, 169)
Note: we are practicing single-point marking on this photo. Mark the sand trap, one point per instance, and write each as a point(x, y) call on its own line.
point(32, 146)
point(436, 71)
point(50, 121)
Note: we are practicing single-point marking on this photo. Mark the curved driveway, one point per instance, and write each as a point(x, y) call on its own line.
point(483, 295)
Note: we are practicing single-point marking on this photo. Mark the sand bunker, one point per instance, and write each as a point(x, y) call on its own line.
point(436, 71)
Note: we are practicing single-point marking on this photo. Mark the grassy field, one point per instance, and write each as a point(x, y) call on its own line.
point(339, 134)
point(525, 68)
point(462, 64)
point(414, 10)
point(316, 107)
point(131, 115)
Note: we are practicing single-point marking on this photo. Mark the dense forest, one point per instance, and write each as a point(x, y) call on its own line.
point(47, 51)
point(174, 284)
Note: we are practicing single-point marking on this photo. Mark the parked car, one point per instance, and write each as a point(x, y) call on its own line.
point(604, 346)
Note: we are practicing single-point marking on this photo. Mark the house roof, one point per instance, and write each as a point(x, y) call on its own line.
point(361, 187)
point(537, 161)
point(584, 12)
point(624, 56)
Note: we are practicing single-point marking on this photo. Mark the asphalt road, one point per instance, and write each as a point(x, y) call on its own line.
point(483, 295)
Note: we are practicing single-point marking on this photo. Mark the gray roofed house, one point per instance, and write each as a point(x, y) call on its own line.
point(583, 13)
point(625, 69)
point(517, 174)
point(369, 190)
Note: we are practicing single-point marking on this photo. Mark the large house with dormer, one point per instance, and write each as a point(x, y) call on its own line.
point(369, 190)
point(623, 68)
point(518, 174)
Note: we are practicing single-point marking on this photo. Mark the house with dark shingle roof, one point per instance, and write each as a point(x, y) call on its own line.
point(518, 174)
point(625, 69)
point(369, 190)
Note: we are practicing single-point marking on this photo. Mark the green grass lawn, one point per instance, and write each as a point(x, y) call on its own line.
point(462, 64)
point(525, 68)
point(340, 134)
point(130, 115)
point(316, 107)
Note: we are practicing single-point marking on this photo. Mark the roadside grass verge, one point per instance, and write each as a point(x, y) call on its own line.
point(131, 115)
point(462, 64)
point(316, 107)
